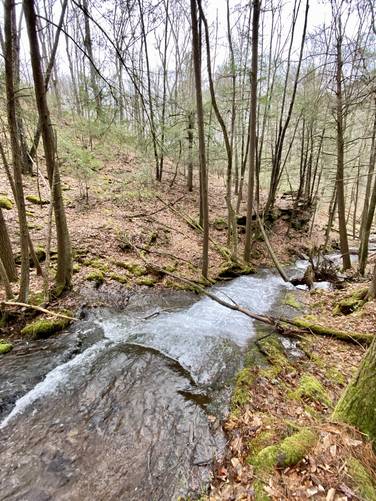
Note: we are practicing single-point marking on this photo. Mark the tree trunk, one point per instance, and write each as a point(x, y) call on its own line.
point(11, 91)
point(358, 403)
point(196, 48)
point(6, 254)
point(344, 245)
point(252, 130)
point(64, 260)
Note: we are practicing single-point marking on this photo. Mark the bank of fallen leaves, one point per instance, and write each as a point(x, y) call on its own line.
point(271, 412)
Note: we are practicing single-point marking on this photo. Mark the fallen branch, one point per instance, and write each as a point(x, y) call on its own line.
point(38, 308)
point(279, 324)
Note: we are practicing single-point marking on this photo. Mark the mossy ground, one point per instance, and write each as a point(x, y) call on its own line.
point(275, 441)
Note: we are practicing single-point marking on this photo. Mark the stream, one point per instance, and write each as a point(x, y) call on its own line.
point(127, 405)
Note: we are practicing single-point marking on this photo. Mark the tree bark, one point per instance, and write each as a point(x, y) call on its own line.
point(64, 260)
point(6, 254)
point(358, 403)
point(344, 245)
point(252, 130)
point(196, 48)
point(11, 91)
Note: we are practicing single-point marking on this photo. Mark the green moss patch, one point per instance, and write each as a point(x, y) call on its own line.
point(311, 388)
point(96, 276)
point(232, 269)
point(34, 199)
point(364, 481)
point(149, 281)
point(118, 278)
point(44, 327)
point(351, 303)
point(5, 203)
point(5, 347)
point(290, 300)
point(134, 268)
point(287, 453)
point(241, 394)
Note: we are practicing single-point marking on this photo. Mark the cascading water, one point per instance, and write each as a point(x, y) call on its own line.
point(122, 406)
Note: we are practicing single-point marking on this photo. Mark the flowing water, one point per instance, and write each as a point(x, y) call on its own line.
point(126, 405)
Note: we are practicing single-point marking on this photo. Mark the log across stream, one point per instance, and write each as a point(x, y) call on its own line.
point(127, 405)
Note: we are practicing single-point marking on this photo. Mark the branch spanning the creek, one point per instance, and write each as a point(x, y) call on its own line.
point(295, 327)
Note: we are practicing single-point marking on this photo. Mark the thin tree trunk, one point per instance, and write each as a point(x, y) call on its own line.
point(252, 130)
point(64, 260)
point(6, 254)
point(344, 245)
point(196, 49)
point(11, 91)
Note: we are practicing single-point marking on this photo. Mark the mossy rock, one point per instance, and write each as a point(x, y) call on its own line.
point(364, 481)
point(44, 327)
point(232, 270)
point(34, 199)
point(96, 276)
point(97, 264)
point(311, 388)
point(286, 453)
point(118, 278)
point(5, 203)
point(134, 268)
point(5, 347)
point(290, 300)
point(149, 281)
point(349, 304)
point(170, 268)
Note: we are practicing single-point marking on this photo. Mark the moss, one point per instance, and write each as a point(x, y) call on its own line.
point(220, 224)
point(37, 298)
point(134, 268)
point(290, 300)
point(311, 388)
point(95, 276)
point(287, 453)
point(76, 267)
point(351, 303)
point(118, 278)
point(262, 440)
point(44, 327)
point(241, 394)
point(231, 269)
point(364, 481)
point(34, 199)
point(97, 264)
point(149, 281)
point(5, 203)
point(308, 323)
point(335, 375)
point(170, 268)
point(174, 284)
point(5, 347)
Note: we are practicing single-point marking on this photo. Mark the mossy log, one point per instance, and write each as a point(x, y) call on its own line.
point(42, 328)
point(322, 330)
point(286, 453)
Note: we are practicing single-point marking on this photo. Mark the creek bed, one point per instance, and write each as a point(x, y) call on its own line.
point(127, 405)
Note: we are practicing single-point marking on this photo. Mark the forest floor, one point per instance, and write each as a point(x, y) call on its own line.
point(125, 218)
